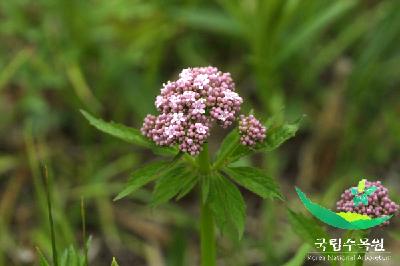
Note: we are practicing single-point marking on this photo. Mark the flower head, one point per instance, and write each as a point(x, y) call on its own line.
point(251, 130)
point(372, 200)
point(189, 105)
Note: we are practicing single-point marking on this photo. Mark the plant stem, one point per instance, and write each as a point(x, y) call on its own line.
point(207, 234)
point(52, 231)
point(85, 243)
point(203, 160)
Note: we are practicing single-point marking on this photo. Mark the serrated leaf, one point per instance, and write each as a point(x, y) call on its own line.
point(280, 134)
point(114, 262)
point(188, 185)
point(170, 184)
point(275, 137)
point(232, 150)
point(254, 180)
point(227, 204)
point(128, 134)
point(306, 228)
point(143, 176)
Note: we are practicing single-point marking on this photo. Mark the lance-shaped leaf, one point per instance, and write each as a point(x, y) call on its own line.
point(128, 134)
point(71, 257)
point(231, 150)
point(275, 137)
point(254, 180)
point(187, 186)
point(227, 204)
point(279, 135)
point(143, 176)
point(177, 181)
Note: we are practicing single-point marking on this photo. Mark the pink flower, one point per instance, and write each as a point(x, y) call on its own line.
point(231, 95)
point(201, 80)
point(201, 129)
point(178, 118)
point(199, 107)
point(189, 105)
point(189, 96)
point(159, 101)
point(170, 131)
point(251, 130)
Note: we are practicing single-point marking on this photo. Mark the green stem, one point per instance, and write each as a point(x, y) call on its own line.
point(52, 231)
point(203, 160)
point(207, 234)
point(207, 237)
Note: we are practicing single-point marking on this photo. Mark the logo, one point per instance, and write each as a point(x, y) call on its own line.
point(362, 207)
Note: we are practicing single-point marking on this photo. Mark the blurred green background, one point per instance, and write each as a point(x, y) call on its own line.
point(338, 62)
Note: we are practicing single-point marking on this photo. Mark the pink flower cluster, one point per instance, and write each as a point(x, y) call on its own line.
point(379, 203)
point(251, 130)
point(189, 105)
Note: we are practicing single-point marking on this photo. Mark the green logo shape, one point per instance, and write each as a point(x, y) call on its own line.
point(339, 220)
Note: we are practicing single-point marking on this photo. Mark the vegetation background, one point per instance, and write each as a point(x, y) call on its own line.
point(338, 62)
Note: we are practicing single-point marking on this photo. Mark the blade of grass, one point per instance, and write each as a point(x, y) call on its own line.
point(42, 259)
point(52, 231)
point(312, 28)
point(81, 87)
point(13, 66)
point(85, 244)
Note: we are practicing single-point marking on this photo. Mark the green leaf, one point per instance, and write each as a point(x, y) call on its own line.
point(143, 176)
point(128, 134)
point(228, 145)
point(280, 134)
point(311, 28)
point(188, 185)
point(232, 150)
point(254, 180)
point(70, 257)
point(306, 228)
point(64, 260)
point(73, 256)
point(170, 184)
point(227, 204)
point(208, 19)
point(114, 262)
